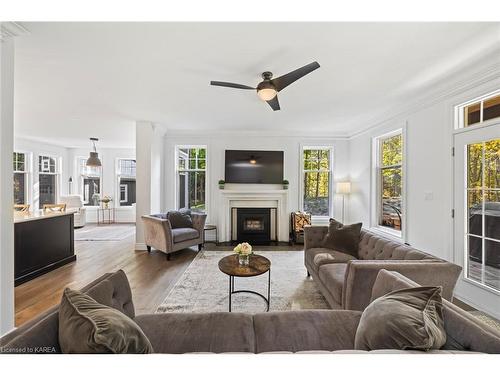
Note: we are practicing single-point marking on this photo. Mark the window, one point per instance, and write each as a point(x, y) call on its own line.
point(389, 177)
point(20, 178)
point(90, 183)
point(191, 177)
point(47, 176)
point(126, 181)
point(479, 110)
point(317, 177)
point(482, 226)
point(123, 193)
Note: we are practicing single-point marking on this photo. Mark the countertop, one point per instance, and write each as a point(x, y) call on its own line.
point(21, 217)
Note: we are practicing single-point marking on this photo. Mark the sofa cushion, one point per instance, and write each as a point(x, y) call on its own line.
point(335, 257)
point(375, 247)
point(199, 332)
point(184, 234)
point(295, 331)
point(180, 219)
point(343, 238)
point(403, 319)
point(333, 276)
point(87, 327)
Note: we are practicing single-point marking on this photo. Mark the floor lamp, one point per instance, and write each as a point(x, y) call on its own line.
point(343, 188)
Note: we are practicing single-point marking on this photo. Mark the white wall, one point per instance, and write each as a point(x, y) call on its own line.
point(149, 180)
point(429, 137)
point(218, 143)
point(6, 214)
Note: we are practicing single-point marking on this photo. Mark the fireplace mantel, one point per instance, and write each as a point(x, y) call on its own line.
point(230, 198)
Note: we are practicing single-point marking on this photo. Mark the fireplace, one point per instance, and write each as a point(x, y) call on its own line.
point(253, 225)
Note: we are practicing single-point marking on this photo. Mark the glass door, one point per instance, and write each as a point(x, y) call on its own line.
point(477, 205)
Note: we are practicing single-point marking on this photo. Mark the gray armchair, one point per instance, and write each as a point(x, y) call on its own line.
point(159, 234)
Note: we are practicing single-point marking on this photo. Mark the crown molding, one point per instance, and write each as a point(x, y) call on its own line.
point(252, 133)
point(445, 91)
point(12, 29)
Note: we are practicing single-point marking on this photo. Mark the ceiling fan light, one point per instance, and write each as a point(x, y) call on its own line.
point(267, 94)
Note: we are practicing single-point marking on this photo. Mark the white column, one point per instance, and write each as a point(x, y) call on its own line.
point(149, 177)
point(6, 185)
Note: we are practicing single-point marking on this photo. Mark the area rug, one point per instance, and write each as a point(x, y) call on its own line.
point(203, 288)
point(108, 232)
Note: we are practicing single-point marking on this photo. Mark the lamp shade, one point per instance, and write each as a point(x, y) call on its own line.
point(93, 160)
point(343, 187)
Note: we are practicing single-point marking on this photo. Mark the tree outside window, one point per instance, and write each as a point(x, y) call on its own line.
point(191, 169)
point(391, 183)
point(317, 180)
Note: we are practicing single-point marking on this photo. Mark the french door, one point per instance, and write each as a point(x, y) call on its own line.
point(477, 205)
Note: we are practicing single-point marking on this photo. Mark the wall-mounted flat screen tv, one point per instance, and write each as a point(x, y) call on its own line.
point(254, 167)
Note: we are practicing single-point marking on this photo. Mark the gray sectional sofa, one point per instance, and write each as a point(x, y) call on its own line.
point(304, 331)
point(346, 282)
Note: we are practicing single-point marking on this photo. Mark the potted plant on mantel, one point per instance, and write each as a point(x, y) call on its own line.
point(221, 184)
point(285, 184)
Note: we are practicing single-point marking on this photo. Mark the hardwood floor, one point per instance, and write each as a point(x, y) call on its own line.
point(151, 276)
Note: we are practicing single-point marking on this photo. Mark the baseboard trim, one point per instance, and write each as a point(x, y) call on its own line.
point(140, 246)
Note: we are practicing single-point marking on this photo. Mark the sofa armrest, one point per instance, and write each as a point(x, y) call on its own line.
point(199, 222)
point(313, 236)
point(361, 275)
point(158, 233)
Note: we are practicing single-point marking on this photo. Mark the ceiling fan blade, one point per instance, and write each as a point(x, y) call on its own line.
point(281, 82)
point(232, 85)
point(274, 103)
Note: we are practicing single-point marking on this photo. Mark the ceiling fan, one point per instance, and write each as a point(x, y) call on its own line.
point(269, 87)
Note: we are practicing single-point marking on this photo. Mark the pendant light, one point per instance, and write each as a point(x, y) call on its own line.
point(93, 160)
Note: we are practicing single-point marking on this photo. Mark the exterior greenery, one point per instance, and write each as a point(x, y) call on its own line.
point(317, 176)
point(391, 183)
point(191, 167)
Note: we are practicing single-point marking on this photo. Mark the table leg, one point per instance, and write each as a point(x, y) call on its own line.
point(230, 291)
point(269, 290)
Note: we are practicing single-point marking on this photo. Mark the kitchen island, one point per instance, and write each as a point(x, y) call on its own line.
point(43, 241)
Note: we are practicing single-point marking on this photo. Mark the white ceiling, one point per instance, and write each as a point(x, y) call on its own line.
point(77, 80)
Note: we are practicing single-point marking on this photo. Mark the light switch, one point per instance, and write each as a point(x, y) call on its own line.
point(428, 195)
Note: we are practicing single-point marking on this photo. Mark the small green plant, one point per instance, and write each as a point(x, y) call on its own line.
point(222, 182)
point(285, 182)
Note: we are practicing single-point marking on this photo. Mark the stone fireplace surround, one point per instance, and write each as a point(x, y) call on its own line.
point(253, 199)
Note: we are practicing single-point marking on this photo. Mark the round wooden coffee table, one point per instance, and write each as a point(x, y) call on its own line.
point(258, 265)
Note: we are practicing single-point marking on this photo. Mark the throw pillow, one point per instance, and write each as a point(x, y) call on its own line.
point(180, 219)
point(87, 327)
point(404, 319)
point(343, 238)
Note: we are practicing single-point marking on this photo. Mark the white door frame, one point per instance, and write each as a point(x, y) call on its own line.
point(470, 291)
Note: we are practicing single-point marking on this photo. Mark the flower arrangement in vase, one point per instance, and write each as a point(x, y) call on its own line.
point(105, 201)
point(244, 250)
